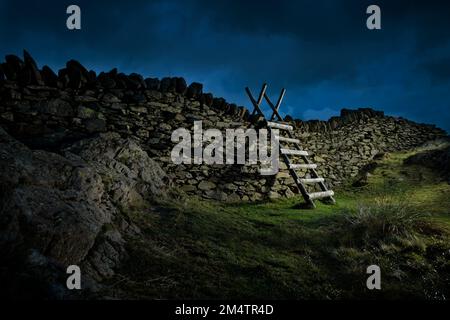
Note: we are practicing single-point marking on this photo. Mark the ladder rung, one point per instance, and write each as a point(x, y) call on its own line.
point(279, 125)
point(312, 180)
point(303, 166)
point(285, 139)
point(294, 152)
point(323, 194)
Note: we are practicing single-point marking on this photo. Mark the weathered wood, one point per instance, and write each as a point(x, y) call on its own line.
point(297, 181)
point(303, 166)
point(256, 108)
point(309, 197)
point(255, 103)
point(281, 126)
point(274, 108)
point(262, 93)
point(313, 171)
point(312, 180)
point(277, 106)
point(319, 195)
point(294, 152)
point(290, 140)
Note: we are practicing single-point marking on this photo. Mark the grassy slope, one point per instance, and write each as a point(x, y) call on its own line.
point(197, 249)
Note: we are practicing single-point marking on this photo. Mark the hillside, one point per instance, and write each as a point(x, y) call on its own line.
point(399, 220)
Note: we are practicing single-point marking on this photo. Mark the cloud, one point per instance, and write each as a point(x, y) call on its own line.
point(439, 70)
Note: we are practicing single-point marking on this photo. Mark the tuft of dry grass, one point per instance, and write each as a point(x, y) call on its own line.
point(384, 220)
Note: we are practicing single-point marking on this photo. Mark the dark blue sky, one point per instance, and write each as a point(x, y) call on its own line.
point(321, 51)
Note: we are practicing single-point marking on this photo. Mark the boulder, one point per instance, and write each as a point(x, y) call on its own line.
point(63, 78)
point(14, 63)
point(135, 98)
point(77, 74)
point(24, 77)
point(107, 80)
point(113, 73)
point(287, 118)
point(180, 86)
point(94, 125)
point(86, 113)
point(208, 99)
point(232, 109)
point(206, 185)
point(136, 82)
point(49, 77)
point(152, 83)
point(128, 173)
point(218, 103)
point(110, 98)
point(64, 209)
point(56, 106)
point(195, 89)
point(121, 81)
point(92, 81)
point(7, 70)
point(167, 85)
point(51, 208)
point(31, 65)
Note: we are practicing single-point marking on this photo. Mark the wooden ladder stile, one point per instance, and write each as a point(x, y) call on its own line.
point(309, 197)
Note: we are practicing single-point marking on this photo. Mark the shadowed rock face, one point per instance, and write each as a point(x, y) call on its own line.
point(128, 174)
point(54, 208)
point(436, 159)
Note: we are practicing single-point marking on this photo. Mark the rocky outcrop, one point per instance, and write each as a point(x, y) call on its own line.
point(437, 158)
point(66, 209)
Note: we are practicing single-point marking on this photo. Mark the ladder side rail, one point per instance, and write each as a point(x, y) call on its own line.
point(280, 99)
point(322, 185)
point(295, 176)
point(255, 103)
point(275, 110)
point(307, 161)
point(297, 181)
point(313, 171)
point(293, 173)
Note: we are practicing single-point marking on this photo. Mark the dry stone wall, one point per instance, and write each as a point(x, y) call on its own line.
point(50, 111)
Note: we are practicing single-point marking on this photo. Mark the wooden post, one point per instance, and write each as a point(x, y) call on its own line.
point(277, 106)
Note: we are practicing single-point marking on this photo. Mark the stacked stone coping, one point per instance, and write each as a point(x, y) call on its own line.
point(48, 110)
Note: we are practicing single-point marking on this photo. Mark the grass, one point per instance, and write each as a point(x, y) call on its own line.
point(197, 249)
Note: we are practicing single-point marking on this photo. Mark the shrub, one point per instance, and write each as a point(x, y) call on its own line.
point(384, 220)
